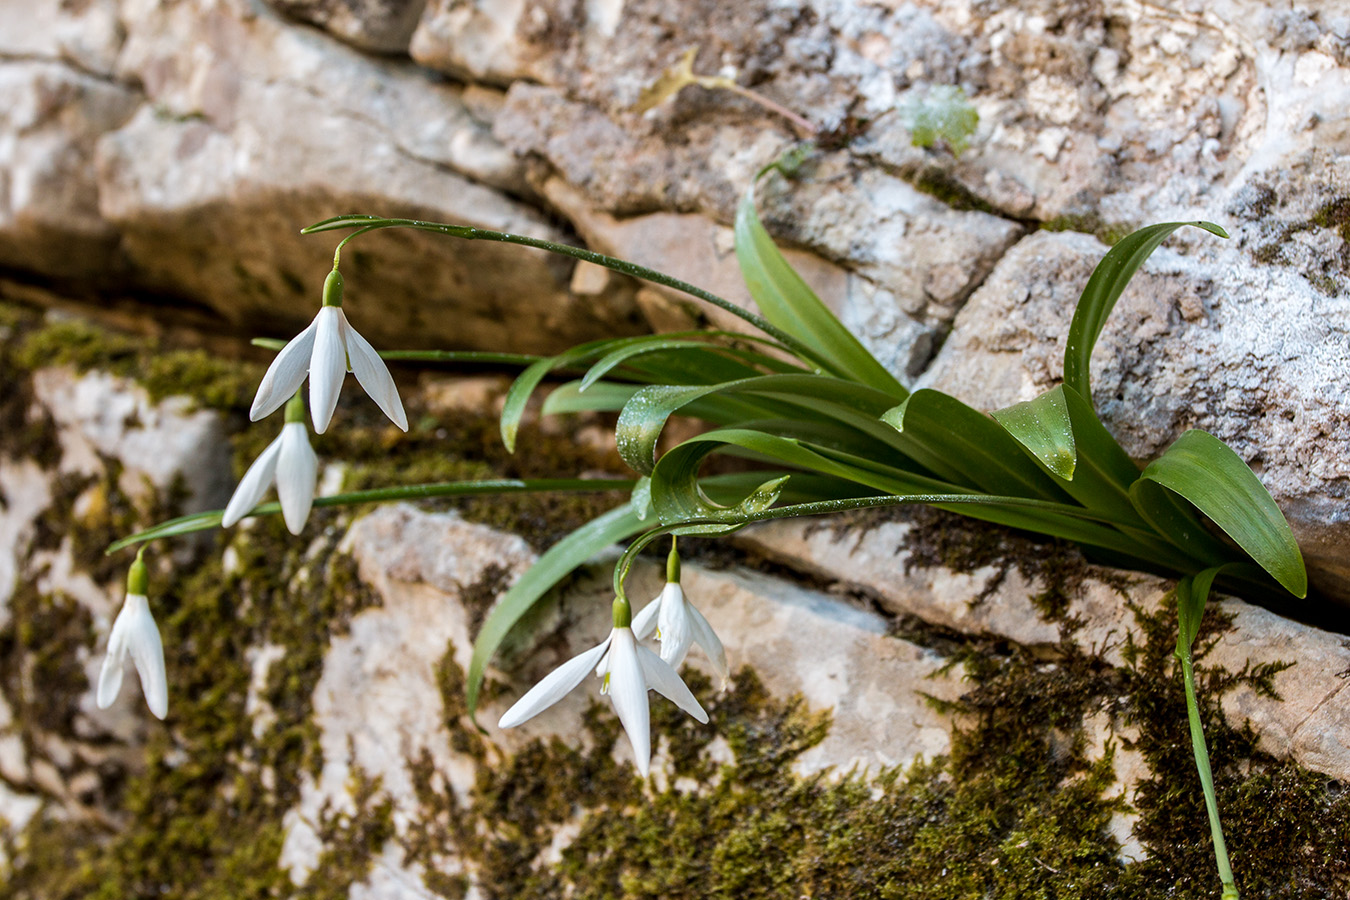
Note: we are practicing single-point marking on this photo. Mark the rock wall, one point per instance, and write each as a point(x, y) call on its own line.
point(1000, 720)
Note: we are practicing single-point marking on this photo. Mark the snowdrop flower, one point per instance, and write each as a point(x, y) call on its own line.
point(134, 633)
point(291, 462)
point(326, 351)
point(629, 671)
point(678, 623)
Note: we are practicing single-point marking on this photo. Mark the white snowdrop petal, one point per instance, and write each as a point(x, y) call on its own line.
point(110, 676)
point(147, 652)
point(668, 683)
point(285, 374)
point(673, 622)
point(645, 621)
point(554, 686)
point(297, 475)
point(109, 679)
point(253, 485)
point(373, 375)
point(706, 638)
point(628, 693)
point(328, 366)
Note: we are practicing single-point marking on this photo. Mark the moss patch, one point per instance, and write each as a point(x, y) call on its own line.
point(209, 380)
point(202, 820)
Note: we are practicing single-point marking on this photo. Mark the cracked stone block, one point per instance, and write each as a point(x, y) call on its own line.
point(383, 26)
point(1305, 720)
point(1203, 338)
point(49, 199)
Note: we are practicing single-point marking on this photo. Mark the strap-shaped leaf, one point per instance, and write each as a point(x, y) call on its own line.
point(560, 559)
point(789, 303)
point(1207, 472)
point(1176, 520)
point(701, 347)
point(1103, 289)
point(518, 395)
point(1043, 427)
point(604, 396)
point(800, 396)
point(964, 446)
point(860, 477)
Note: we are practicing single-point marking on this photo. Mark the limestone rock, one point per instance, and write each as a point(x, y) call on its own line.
point(101, 417)
point(384, 26)
point(49, 201)
point(1253, 355)
point(1305, 719)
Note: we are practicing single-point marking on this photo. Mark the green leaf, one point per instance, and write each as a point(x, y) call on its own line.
point(1103, 289)
point(965, 447)
point(790, 304)
point(1176, 520)
point(560, 559)
point(603, 396)
point(201, 521)
point(810, 397)
point(1043, 427)
point(1207, 472)
point(1192, 594)
point(943, 114)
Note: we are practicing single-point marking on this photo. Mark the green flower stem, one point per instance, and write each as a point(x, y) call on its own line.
point(1230, 891)
point(374, 223)
point(138, 578)
point(211, 519)
point(826, 507)
point(673, 563)
point(295, 408)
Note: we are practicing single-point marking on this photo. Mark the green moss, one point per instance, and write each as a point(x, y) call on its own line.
point(944, 186)
point(209, 380)
point(1092, 223)
point(200, 821)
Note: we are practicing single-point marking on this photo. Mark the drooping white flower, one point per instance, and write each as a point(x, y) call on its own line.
point(630, 671)
point(291, 463)
point(678, 623)
point(134, 634)
point(326, 351)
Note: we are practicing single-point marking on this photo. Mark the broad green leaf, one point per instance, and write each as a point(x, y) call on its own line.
point(675, 493)
point(560, 559)
point(1207, 472)
point(966, 447)
point(789, 303)
point(1103, 473)
point(1176, 520)
point(603, 396)
point(1043, 427)
point(810, 396)
point(1103, 289)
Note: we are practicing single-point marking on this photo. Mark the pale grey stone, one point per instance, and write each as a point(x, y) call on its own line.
point(384, 26)
point(1307, 720)
point(1251, 354)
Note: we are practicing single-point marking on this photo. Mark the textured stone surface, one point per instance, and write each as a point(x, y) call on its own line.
point(1205, 340)
point(100, 417)
point(1305, 719)
point(384, 26)
point(169, 153)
